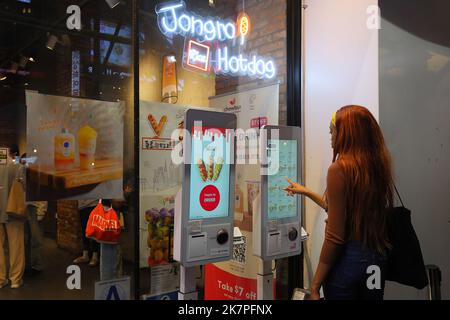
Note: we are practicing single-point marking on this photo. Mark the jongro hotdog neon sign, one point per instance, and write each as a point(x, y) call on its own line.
point(173, 19)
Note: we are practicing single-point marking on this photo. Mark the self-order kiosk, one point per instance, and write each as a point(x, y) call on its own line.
point(276, 216)
point(204, 207)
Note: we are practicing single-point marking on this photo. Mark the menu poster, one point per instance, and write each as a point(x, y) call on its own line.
point(77, 147)
point(160, 179)
point(236, 279)
point(279, 205)
point(3, 156)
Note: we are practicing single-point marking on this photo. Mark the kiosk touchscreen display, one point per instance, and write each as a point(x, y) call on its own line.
point(279, 204)
point(210, 173)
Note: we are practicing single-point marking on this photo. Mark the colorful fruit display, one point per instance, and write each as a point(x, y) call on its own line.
point(159, 240)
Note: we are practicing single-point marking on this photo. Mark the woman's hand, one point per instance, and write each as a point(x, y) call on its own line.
point(315, 295)
point(294, 188)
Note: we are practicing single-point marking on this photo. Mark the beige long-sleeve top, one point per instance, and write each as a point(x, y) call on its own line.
point(335, 230)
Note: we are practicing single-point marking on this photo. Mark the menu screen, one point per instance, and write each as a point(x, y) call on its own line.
point(210, 173)
point(279, 204)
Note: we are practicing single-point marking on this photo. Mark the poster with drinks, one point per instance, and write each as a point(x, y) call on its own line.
point(76, 147)
point(236, 279)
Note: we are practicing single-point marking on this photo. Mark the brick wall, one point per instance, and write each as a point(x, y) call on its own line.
point(267, 38)
point(68, 234)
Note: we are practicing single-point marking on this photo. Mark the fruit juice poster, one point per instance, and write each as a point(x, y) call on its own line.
point(77, 145)
point(281, 206)
point(210, 173)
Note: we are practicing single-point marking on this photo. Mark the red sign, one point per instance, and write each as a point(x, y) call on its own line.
point(222, 285)
point(258, 122)
point(198, 55)
point(209, 198)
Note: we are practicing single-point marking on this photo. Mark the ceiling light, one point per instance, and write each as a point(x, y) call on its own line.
point(2, 77)
point(113, 3)
point(24, 60)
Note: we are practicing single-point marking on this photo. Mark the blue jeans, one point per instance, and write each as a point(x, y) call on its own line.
point(34, 241)
point(108, 261)
point(348, 279)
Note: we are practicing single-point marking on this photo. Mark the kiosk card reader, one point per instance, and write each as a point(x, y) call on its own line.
point(276, 216)
point(204, 207)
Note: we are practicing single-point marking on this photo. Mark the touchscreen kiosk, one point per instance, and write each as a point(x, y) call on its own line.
point(277, 217)
point(204, 206)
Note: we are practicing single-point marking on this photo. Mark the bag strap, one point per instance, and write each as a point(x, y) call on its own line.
point(398, 195)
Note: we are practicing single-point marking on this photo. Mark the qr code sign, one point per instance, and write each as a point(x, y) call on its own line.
point(239, 250)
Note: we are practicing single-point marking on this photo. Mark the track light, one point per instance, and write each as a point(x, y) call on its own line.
point(113, 3)
point(51, 42)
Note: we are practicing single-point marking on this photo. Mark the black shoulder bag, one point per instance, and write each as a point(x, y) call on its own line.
point(405, 261)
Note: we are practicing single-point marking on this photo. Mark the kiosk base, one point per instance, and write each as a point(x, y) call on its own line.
point(188, 287)
point(264, 281)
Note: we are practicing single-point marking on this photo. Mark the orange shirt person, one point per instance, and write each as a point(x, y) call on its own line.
point(359, 189)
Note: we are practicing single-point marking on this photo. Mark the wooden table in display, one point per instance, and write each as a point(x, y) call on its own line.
point(48, 183)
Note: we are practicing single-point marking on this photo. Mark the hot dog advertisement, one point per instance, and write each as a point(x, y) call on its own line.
point(210, 173)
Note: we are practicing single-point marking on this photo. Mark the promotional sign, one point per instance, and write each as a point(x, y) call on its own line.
point(165, 279)
point(3, 156)
point(76, 63)
point(234, 279)
point(210, 172)
point(160, 180)
point(117, 289)
point(254, 109)
point(78, 147)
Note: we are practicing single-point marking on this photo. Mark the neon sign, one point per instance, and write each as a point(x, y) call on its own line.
point(198, 56)
point(243, 23)
point(242, 65)
point(173, 19)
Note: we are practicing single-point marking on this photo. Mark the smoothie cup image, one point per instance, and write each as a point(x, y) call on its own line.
point(87, 143)
point(64, 156)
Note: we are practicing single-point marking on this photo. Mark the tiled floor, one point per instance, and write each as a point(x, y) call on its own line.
point(50, 284)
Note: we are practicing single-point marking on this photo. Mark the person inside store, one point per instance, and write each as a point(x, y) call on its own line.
point(11, 228)
point(90, 246)
point(34, 232)
point(359, 190)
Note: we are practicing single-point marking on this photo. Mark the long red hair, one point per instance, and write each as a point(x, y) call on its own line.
point(361, 151)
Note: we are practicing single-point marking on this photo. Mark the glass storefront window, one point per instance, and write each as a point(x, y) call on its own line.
point(67, 113)
point(227, 56)
point(76, 127)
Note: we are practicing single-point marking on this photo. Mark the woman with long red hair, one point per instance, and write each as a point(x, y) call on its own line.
point(359, 190)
